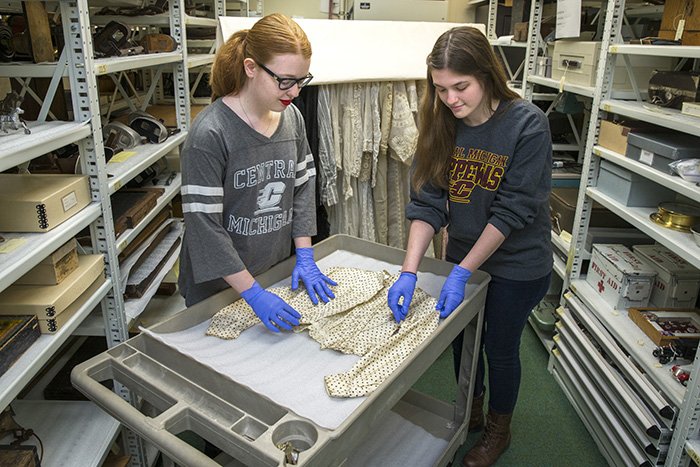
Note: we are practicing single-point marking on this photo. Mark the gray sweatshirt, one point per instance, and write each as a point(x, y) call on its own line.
point(244, 197)
point(500, 174)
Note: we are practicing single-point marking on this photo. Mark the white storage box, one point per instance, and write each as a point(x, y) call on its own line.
point(677, 281)
point(619, 276)
point(629, 188)
point(578, 62)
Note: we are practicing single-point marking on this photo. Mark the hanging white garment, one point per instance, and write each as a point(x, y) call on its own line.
point(326, 150)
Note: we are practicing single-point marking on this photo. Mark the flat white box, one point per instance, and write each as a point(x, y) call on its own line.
point(619, 276)
point(677, 281)
point(578, 62)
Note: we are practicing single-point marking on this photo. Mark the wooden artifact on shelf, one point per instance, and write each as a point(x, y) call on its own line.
point(131, 205)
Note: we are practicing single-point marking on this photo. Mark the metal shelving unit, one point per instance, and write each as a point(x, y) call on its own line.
point(95, 429)
point(645, 386)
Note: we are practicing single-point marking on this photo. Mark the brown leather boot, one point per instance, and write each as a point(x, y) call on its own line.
point(476, 416)
point(493, 441)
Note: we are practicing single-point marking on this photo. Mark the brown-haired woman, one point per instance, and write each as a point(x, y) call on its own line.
point(483, 169)
point(249, 176)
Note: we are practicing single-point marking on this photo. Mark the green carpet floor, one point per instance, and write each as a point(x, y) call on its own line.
point(546, 429)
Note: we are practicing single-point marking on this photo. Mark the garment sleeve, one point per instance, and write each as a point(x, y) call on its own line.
point(527, 182)
point(304, 223)
point(210, 248)
point(429, 205)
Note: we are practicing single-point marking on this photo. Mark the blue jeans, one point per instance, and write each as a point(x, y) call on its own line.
point(508, 305)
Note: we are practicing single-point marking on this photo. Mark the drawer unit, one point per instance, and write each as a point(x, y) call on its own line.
point(647, 429)
point(621, 450)
point(622, 361)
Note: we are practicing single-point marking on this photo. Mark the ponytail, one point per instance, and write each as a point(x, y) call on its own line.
point(228, 74)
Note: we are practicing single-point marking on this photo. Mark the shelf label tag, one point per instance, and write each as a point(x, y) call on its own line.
point(12, 244)
point(121, 157)
point(679, 31)
point(646, 157)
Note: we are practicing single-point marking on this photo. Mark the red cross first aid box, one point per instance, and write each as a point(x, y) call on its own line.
point(677, 281)
point(619, 276)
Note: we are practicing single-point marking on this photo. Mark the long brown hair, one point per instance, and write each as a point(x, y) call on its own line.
point(466, 51)
point(272, 35)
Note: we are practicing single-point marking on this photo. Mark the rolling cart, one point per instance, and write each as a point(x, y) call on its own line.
point(180, 390)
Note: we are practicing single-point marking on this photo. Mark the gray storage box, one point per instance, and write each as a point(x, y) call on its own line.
point(185, 394)
point(659, 149)
point(629, 188)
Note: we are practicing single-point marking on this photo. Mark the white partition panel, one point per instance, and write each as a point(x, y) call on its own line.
point(352, 51)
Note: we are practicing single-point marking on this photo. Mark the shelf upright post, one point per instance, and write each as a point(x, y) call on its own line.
point(687, 425)
point(491, 25)
point(533, 47)
point(603, 90)
point(84, 93)
point(181, 79)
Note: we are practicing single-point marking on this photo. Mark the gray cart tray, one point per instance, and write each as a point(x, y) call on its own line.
point(184, 395)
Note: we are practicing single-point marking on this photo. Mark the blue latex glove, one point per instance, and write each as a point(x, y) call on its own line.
point(274, 312)
point(404, 287)
point(315, 281)
point(452, 293)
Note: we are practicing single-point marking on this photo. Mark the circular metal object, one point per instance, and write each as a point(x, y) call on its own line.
point(676, 216)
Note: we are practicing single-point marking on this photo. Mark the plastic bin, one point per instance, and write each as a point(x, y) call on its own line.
point(185, 395)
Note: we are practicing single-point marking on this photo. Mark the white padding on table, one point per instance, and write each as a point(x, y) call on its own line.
point(287, 368)
point(354, 51)
point(397, 442)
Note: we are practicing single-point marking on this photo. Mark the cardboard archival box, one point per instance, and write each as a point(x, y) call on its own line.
point(613, 135)
point(40, 202)
point(577, 62)
point(53, 325)
point(665, 325)
point(54, 268)
point(47, 301)
point(677, 281)
point(619, 276)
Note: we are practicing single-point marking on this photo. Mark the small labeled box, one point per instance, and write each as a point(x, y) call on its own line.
point(577, 62)
point(48, 301)
point(677, 281)
point(40, 202)
point(659, 149)
point(619, 276)
point(629, 188)
point(665, 325)
point(54, 268)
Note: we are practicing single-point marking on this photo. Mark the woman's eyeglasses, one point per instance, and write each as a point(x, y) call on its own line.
point(287, 83)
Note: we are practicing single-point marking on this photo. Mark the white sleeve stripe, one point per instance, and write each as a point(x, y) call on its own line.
point(202, 190)
point(201, 207)
point(304, 178)
point(308, 159)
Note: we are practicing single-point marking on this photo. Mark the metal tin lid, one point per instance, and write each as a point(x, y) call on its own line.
point(676, 216)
